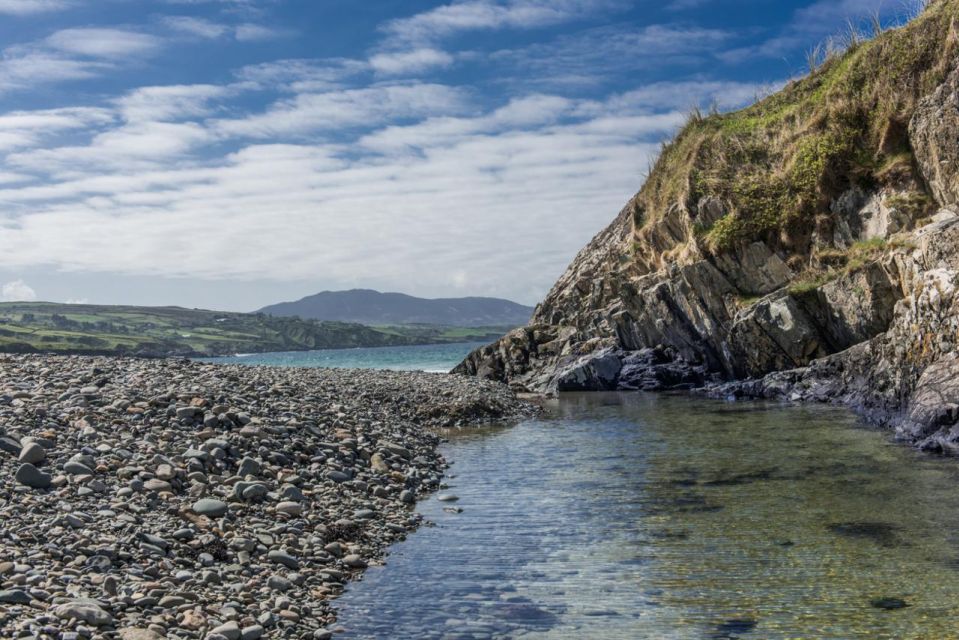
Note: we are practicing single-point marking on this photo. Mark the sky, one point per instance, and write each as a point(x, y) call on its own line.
point(229, 154)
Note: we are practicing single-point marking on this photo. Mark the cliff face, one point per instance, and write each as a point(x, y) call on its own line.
point(817, 226)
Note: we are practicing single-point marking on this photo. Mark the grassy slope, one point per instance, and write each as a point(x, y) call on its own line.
point(442, 334)
point(167, 331)
point(160, 331)
point(778, 164)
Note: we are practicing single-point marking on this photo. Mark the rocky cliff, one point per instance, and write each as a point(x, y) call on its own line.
point(812, 233)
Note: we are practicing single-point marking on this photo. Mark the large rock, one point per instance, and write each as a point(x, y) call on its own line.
point(30, 476)
point(86, 612)
point(934, 134)
point(794, 305)
point(594, 372)
point(211, 507)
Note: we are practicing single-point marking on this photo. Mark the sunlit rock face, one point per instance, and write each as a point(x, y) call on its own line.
point(857, 302)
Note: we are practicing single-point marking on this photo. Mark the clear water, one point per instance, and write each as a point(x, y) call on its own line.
point(637, 516)
point(430, 357)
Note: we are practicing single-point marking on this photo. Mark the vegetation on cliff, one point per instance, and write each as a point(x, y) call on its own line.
point(776, 167)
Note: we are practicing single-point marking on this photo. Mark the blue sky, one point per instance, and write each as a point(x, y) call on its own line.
point(232, 153)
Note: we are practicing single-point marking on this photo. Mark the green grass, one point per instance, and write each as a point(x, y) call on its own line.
point(441, 334)
point(163, 331)
point(802, 286)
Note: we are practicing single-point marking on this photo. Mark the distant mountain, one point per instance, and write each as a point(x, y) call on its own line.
point(369, 307)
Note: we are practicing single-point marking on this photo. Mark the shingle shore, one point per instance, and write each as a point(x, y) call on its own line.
point(146, 499)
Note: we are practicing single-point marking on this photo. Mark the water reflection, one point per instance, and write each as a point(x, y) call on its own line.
point(638, 516)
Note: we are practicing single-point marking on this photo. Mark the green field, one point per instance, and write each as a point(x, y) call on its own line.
point(42, 327)
point(432, 334)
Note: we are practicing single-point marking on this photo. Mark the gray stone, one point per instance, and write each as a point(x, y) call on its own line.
point(187, 413)
point(290, 508)
point(157, 485)
point(211, 507)
point(253, 632)
point(86, 612)
point(338, 476)
point(354, 561)
point(10, 445)
point(229, 630)
point(139, 634)
point(30, 476)
point(248, 467)
point(33, 453)
point(75, 468)
point(281, 557)
point(15, 596)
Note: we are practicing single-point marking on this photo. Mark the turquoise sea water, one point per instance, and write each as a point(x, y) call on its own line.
point(431, 357)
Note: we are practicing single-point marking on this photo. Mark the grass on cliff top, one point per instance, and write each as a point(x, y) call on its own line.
point(777, 164)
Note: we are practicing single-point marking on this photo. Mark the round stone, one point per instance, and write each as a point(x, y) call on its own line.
point(210, 507)
point(290, 508)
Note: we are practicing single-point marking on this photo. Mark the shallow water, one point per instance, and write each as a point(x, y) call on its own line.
point(429, 357)
point(643, 516)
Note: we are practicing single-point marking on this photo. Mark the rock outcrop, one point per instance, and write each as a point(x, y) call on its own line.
point(806, 245)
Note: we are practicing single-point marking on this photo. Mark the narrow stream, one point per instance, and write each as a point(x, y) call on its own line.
point(629, 516)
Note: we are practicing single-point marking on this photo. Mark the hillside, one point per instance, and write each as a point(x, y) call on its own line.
point(818, 225)
point(27, 327)
point(369, 307)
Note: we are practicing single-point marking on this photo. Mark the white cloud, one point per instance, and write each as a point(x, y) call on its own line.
point(590, 56)
point(830, 15)
point(300, 76)
point(195, 26)
point(683, 5)
point(811, 24)
point(72, 54)
point(686, 94)
point(473, 15)
point(172, 102)
point(415, 61)
point(103, 43)
point(20, 68)
point(19, 129)
point(203, 28)
point(396, 202)
point(143, 144)
point(8, 177)
point(312, 112)
point(17, 291)
point(341, 167)
point(251, 32)
point(27, 7)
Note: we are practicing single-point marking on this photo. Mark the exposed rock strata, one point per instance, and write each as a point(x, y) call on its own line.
point(879, 335)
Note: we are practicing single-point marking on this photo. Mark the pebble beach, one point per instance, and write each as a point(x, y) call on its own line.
point(150, 499)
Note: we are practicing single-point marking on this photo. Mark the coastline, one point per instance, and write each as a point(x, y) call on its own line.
point(210, 501)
